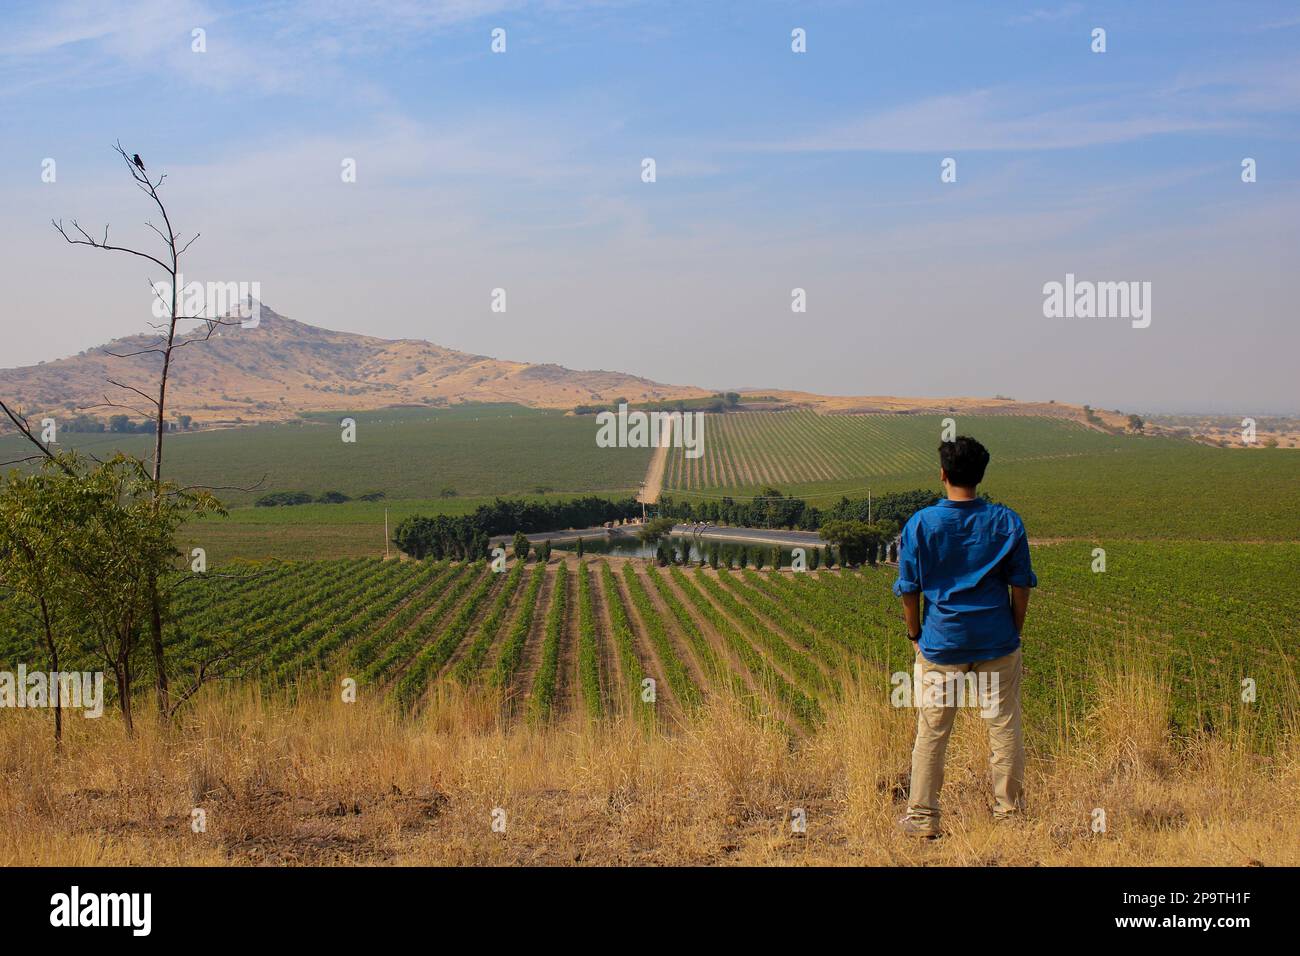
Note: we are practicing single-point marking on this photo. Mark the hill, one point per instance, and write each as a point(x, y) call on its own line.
point(283, 367)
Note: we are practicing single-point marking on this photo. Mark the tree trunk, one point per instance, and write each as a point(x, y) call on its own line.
point(53, 648)
point(159, 658)
point(58, 697)
point(155, 599)
point(122, 671)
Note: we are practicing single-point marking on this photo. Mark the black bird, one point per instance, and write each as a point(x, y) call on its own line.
point(138, 161)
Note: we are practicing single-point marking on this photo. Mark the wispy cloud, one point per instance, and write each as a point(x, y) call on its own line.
point(291, 47)
point(104, 43)
point(993, 120)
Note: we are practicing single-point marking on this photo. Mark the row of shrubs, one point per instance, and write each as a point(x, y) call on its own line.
point(278, 499)
point(727, 554)
point(466, 536)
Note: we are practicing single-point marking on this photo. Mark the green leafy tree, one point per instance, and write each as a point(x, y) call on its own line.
point(30, 568)
point(654, 529)
point(521, 546)
point(106, 543)
point(857, 541)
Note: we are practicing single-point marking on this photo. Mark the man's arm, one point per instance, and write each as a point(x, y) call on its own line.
point(908, 585)
point(1019, 606)
point(912, 614)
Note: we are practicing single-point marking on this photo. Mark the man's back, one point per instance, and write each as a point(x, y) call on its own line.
point(962, 555)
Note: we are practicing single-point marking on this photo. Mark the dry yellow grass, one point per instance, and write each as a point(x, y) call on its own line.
point(319, 781)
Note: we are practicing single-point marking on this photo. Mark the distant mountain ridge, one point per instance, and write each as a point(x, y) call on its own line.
point(284, 366)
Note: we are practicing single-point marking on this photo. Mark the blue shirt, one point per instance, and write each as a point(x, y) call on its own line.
point(962, 555)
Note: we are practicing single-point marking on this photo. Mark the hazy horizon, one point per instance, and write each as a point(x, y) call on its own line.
point(775, 170)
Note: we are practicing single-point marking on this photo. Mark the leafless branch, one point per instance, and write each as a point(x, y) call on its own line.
point(88, 240)
point(135, 353)
point(21, 423)
point(221, 664)
point(21, 461)
point(253, 487)
point(108, 403)
point(131, 388)
point(158, 233)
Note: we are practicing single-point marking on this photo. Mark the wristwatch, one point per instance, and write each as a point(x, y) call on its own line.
point(914, 639)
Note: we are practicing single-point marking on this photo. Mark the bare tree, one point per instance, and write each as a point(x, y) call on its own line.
point(223, 658)
point(170, 338)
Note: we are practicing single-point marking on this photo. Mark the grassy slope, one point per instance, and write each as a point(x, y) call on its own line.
point(406, 453)
point(719, 793)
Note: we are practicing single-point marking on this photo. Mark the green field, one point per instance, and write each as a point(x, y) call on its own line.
point(473, 450)
point(354, 529)
point(580, 637)
point(413, 456)
point(1065, 480)
point(798, 449)
point(1202, 546)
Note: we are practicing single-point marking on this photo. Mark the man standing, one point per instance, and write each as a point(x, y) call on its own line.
point(963, 554)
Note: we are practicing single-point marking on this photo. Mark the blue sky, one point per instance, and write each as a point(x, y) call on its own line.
point(775, 170)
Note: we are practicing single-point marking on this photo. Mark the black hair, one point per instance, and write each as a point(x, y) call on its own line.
point(964, 461)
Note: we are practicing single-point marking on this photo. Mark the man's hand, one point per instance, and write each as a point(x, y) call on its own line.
point(912, 615)
point(1019, 606)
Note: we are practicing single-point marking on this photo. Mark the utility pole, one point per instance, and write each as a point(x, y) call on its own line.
point(868, 506)
point(385, 532)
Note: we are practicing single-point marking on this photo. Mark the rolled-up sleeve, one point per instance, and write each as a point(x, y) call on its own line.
point(909, 572)
point(1020, 573)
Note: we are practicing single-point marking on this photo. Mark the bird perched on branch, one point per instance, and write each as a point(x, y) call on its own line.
point(138, 161)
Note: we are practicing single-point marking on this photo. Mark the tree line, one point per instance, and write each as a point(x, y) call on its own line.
point(281, 499)
point(860, 530)
point(467, 536)
point(121, 425)
point(771, 509)
point(718, 402)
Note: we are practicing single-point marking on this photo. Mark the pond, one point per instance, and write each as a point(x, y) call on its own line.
point(694, 549)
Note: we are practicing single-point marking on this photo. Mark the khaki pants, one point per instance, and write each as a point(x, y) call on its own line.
point(1001, 678)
